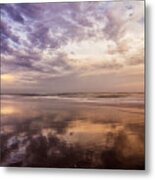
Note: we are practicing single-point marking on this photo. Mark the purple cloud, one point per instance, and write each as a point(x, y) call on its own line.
point(13, 12)
point(37, 38)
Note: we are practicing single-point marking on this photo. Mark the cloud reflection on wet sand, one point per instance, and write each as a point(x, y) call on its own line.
point(70, 135)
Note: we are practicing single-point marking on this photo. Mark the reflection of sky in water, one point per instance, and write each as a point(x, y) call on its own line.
point(6, 110)
point(52, 133)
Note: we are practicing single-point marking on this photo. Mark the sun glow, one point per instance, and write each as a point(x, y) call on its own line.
point(7, 110)
point(7, 77)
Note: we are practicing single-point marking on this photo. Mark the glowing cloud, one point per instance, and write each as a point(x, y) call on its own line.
point(8, 78)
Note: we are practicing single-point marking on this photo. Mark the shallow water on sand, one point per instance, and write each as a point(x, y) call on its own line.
point(62, 132)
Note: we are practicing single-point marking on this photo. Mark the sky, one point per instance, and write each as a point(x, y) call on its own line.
point(72, 47)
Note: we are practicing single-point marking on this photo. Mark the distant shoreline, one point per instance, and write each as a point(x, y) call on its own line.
point(99, 94)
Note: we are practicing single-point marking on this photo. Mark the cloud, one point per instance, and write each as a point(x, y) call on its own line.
point(6, 36)
point(12, 12)
point(19, 61)
point(46, 41)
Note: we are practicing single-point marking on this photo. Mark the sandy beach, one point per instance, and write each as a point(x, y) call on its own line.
point(65, 133)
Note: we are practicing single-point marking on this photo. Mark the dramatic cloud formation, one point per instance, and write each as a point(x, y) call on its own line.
point(80, 46)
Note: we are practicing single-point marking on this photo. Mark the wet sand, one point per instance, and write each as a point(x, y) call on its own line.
point(67, 134)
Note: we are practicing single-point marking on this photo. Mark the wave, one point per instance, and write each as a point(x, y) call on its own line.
point(104, 98)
